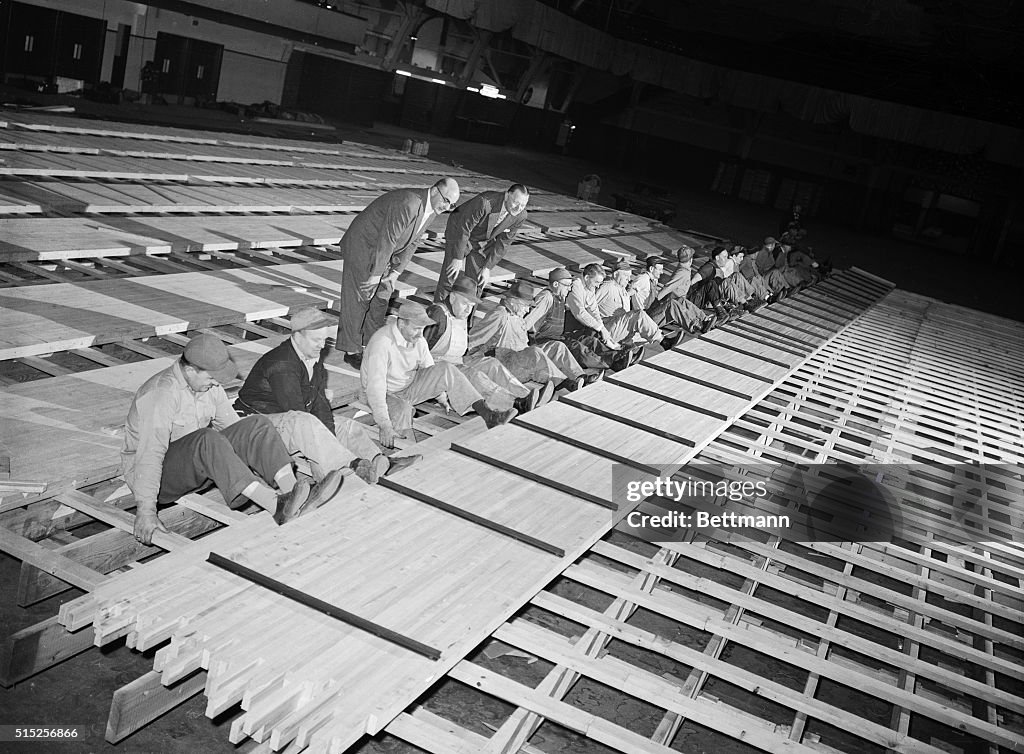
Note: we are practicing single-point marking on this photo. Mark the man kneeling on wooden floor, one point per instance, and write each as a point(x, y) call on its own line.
point(288, 384)
point(182, 433)
point(398, 372)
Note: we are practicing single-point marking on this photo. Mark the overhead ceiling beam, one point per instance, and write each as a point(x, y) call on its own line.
point(480, 45)
point(410, 20)
point(536, 62)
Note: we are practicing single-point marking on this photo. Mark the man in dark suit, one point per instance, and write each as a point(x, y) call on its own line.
point(376, 248)
point(478, 235)
point(288, 384)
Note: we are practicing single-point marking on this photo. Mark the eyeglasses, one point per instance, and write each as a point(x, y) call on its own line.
point(448, 203)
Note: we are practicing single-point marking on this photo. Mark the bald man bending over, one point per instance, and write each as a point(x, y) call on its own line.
point(376, 248)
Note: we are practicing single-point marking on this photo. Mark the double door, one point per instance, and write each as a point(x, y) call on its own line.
point(47, 43)
point(187, 67)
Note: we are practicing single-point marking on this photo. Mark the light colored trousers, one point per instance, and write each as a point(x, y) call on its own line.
point(625, 325)
point(550, 361)
point(305, 435)
point(443, 377)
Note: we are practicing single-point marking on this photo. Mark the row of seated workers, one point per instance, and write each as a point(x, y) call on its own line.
point(183, 432)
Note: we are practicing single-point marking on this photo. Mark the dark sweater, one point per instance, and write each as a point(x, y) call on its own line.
point(279, 382)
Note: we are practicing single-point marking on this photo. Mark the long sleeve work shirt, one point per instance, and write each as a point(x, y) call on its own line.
point(163, 410)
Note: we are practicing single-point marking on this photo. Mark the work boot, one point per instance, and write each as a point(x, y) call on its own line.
point(323, 492)
point(354, 360)
point(289, 503)
point(491, 417)
point(529, 402)
point(670, 341)
point(365, 470)
point(401, 462)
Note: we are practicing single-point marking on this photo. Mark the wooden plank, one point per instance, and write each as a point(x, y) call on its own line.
point(37, 648)
point(486, 523)
point(50, 562)
point(325, 607)
point(142, 701)
point(108, 551)
point(118, 518)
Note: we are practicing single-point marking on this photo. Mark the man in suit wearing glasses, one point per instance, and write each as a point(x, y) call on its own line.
point(375, 249)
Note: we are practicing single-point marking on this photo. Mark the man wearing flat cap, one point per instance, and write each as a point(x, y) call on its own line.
point(288, 384)
point(615, 305)
point(398, 373)
point(503, 332)
point(376, 248)
point(478, 235)
point(181, 433)
point(547, 317)
point(668, 304)
point(764, 257)
point(448, 339)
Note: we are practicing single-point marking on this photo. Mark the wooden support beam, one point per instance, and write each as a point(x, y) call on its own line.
point(113, 516)
point(36, 648)
point(143, 350)
point(45, 365)
point(53, 563)
point(108, 551)
point(142, 701)
point(97, 356)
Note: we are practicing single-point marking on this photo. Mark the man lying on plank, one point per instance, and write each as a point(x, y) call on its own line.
point(288, 385)
point(449, 338)
point(182, 433)
point(398, 372)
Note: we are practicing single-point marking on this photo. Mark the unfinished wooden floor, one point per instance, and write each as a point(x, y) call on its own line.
point(772, 643)
point(513, 538)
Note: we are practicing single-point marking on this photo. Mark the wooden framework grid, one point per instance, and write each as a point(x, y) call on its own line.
point(911, 645)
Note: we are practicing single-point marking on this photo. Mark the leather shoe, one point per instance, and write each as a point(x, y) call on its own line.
point(529, 402)
point(491, 417)
point(354, 360)
point(289, 503)
point(401, 462)
point(365, 470)
point(323, 492)
point(669, 341)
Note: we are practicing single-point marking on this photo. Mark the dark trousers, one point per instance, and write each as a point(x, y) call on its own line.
point(364, 308)
point(707, 293)
point(226, 457)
